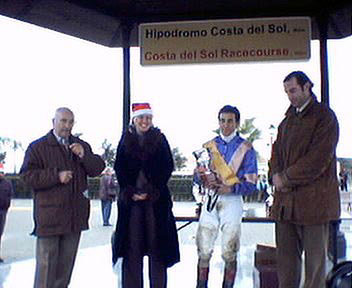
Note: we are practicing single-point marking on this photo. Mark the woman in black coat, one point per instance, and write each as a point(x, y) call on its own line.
point(146, 225)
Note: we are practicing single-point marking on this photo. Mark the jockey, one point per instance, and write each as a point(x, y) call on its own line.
point(233, 173)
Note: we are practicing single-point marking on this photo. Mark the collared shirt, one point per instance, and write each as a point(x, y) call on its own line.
point(227, 139)
point(59, 139)
point(300, 109)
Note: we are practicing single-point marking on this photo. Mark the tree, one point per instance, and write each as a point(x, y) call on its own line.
point(12, 144)
point(109, 154)
point(179, 159)
point(3, 142)
point(15, 145)
point(2, 157)
point(247, 130)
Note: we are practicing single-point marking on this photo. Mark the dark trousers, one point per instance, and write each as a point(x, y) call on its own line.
point(142, 241)
point(106, 210)
point(3, 214)
point(292, 240)
point(55, 257)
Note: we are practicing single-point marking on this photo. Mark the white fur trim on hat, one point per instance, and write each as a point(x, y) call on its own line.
point(141, 109)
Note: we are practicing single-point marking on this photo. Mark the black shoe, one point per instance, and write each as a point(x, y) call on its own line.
point(1, 260)
point(107, 224)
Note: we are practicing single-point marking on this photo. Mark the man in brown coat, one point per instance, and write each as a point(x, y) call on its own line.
point(303, 168)
point(56, 166)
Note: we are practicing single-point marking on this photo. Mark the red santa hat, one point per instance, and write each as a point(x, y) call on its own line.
point(140, 109)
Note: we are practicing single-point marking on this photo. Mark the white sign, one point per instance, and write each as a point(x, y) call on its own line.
point(265, 39)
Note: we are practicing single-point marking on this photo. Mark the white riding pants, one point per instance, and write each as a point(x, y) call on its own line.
point(226, 216)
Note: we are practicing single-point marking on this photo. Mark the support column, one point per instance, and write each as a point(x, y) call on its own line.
point(126, 30)
point(324, 71)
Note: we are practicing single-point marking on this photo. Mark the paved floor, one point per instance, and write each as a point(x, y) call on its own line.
point(93, 265)
point(18, 244)
point(93, 269)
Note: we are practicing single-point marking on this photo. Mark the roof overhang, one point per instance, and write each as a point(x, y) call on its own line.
point(103, 21)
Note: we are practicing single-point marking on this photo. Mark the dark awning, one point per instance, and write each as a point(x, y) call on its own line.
point(102, 21)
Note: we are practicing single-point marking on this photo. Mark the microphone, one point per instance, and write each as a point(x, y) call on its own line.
point(67, 142)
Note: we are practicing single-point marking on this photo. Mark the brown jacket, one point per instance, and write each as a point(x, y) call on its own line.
point(304, 155)
point(59, 208)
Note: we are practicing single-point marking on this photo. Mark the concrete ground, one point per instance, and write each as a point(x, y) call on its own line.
point(18, 244)
point(93, 265)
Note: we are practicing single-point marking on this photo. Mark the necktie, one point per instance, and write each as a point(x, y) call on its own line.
point(64, 142)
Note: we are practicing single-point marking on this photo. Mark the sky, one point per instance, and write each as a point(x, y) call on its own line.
point(41, 70)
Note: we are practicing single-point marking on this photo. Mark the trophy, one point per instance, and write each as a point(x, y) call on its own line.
point(203, 159)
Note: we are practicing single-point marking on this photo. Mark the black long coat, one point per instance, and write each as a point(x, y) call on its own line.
point(154, 158)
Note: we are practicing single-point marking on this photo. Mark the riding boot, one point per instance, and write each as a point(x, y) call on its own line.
point(202, 276)
point(229, 275)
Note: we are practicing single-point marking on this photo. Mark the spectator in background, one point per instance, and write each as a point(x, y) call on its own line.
point(6, 193)
point(265, 189)
point(107, 194)
point(343, 180)
point(260, 189)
